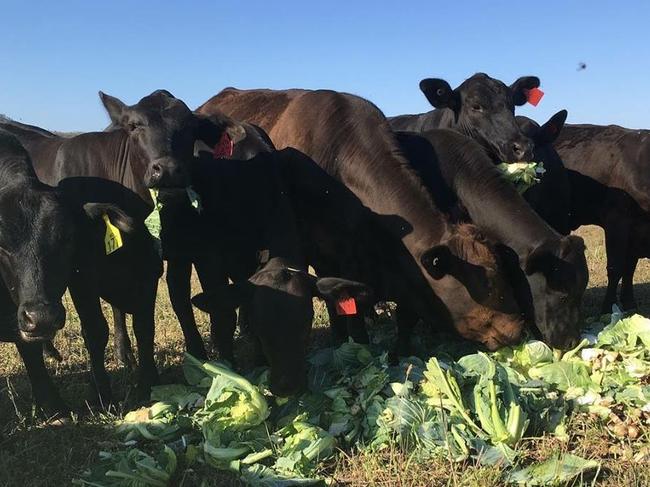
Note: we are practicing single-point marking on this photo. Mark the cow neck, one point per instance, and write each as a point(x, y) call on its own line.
point(445, 118)
point(385, 183)
point(493, 203)
point(128, 162)
point(216, 182)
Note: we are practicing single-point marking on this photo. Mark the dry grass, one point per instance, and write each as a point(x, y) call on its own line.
point(35, 453)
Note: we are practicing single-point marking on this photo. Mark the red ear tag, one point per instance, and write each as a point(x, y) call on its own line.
point(224, 147)
point(346, 307)
point(534, 96)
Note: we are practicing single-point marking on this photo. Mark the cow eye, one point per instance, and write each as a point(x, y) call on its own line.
point(134, 126)
point(477, 108)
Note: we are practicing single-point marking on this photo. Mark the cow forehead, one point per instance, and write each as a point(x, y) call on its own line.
point(163, 106)
point(482, 86)
point(32, 212)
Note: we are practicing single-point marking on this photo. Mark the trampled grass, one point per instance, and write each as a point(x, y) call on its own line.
point(34, 452)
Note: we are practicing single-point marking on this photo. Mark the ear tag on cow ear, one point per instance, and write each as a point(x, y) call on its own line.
point(113, 237)
point(346, 306)
point(534, 96)
point(224, 147)
point(195, 199)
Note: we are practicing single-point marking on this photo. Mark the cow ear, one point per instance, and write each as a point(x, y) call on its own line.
point(540, 259)
point(520, 87)
point(551, 129)
point(117, 110)
point(210, 129)
point(439, 93)
point(96, 212)
point(334, 289)
point(437, 261)
point(203, 301)
point(229, 297)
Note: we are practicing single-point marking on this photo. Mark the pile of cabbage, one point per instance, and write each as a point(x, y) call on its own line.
point(477, 408)
point(522, 175)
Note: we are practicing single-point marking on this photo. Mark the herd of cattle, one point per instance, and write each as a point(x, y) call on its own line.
point(254, 186)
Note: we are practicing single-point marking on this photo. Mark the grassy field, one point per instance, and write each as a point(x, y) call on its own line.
point(36, 453)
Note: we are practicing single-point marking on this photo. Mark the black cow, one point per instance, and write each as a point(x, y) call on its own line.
point(152, 145)
point(555, 266)
point(481, 107)
point(187, 239)
point(449, 274)
point(608, 173)
point(246, 208)
point(551, 197)
point(281, 314)
point(626, 227)
point(44, 239)
point(614, 156)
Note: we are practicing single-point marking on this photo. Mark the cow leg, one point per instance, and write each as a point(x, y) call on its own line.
point(144, 329)
point(179, 273)
point(627, 286)
point(43, 390)
point(223, 319)
point(121, 340)
point(50, 351)
point(94, 330)
point(616, 246)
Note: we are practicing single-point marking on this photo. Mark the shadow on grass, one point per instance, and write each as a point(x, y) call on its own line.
point(594, 296)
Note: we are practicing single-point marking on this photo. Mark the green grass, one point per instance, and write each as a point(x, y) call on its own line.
point(34, 452)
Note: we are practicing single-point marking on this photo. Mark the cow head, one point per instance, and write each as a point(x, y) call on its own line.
point(281, 313)
point(483, 108)
point(558, 275)
point(544, 136)
point(163, 130)
point(39, 237)
point(472, 282)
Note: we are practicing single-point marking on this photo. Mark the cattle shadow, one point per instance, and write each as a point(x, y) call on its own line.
point(594, 296)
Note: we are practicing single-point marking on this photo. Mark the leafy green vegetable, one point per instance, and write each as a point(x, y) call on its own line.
point(553, 471)
point(467, 406)
point(133, 468)
point(626, 334)
point(564, 375)
point(522, 175)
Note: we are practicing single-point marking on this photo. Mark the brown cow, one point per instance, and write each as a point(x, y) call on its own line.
point(450, 276)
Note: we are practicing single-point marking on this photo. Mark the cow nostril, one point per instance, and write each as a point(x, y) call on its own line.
point(156, 169)
point(29, 320)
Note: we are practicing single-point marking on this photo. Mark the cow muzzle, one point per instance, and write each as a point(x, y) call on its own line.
point(166, 172)
point(39, 322)
point(522, 150)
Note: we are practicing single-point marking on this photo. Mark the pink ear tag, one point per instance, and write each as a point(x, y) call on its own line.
point(346, 307)
point(534, 96)
point(224, 147)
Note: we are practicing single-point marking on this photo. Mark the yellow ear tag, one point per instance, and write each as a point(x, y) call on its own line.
point(113, 237)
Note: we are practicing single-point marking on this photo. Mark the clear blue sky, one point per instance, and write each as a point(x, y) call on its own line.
point(56, 55)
